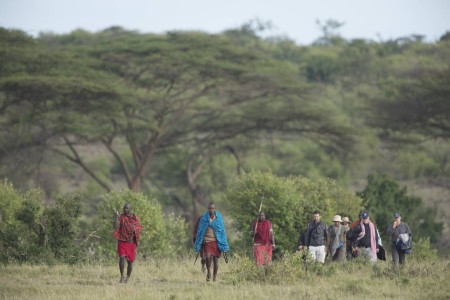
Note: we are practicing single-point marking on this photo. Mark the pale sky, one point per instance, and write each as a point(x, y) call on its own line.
point(296, 19)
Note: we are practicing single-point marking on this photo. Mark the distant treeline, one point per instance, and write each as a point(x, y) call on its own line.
point(179, 115)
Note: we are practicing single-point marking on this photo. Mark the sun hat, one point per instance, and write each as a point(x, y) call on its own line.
point(345, 219)
point(337, 218)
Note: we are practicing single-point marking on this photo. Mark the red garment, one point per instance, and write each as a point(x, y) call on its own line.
point(127, 249)
point(262, 235)
point(129, 229)
point(211, 248)
point(354, 224)
point(263, 254)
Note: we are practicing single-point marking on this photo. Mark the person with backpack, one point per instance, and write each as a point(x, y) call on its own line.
point(365, 238)
point(401, 239)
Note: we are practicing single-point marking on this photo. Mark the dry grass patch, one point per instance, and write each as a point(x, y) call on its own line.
point(180, 279)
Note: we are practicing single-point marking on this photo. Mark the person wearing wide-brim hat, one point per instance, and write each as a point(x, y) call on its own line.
point(336, 234)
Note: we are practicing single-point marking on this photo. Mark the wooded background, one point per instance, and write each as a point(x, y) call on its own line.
point(180, 115)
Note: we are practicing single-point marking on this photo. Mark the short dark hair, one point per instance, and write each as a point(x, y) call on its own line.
point(316, 212)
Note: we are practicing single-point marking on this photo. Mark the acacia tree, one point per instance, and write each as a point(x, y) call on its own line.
point(420, 105)
point(154, 92)
point(47, 94)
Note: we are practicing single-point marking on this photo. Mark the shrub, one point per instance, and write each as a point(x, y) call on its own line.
point(62, 228)
point(31, 233)
point(422, 250)
point(383, 196)
point(288, 203)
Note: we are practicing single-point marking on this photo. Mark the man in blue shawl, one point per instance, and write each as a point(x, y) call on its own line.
point(212, 238)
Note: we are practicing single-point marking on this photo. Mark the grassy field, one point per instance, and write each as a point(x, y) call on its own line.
point(171, 279)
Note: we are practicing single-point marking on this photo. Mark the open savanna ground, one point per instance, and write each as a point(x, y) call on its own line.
point(180, 279)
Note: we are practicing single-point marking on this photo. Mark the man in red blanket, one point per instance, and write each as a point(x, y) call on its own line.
point(263, 240)
point(128, 230)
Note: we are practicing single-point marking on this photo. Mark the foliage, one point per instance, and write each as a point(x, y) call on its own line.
point(31, 232)
point(165, 111)
point(289, 269)
point(422, 250)
point(420, 105)
point(288, 203)
point(161, 235)
point(62, 228)
point(383, 196)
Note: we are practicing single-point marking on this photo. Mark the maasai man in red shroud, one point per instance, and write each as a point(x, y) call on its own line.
point(263, 240)
point(128, 230)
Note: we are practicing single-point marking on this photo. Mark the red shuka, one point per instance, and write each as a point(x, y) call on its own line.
point(211, 248)
point(127, 249)
point(129, 229)
point(262, 235)
point(263, 254)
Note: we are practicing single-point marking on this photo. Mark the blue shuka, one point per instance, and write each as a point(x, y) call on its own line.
point(219, 230)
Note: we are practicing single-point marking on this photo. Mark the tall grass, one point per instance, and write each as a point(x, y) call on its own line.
point(287, 278)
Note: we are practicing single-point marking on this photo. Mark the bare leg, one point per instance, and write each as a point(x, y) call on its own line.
point(121, 267)
point(216, 267)
point(203, 261)
point(129, 269)
point(208, 266)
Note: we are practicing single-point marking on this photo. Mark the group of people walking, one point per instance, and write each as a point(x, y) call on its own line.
point(344, 240)
point(341, 241)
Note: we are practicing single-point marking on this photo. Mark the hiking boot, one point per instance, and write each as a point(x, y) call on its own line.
point(208, 277)
point(123, 279)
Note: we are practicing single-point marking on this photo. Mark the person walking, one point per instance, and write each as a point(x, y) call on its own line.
point(317, 238)
point(337, 239)
point(348, 247)
point(128, 231)
point(398, 231)
point(263, 240)
point(365, 238)
point(211, 236)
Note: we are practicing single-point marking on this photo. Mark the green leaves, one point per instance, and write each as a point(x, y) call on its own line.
point(383, 196)
point(288, 203)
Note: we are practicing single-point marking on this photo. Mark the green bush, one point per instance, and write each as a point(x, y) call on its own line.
point(161, 235)
point(10, 203)
point(31, 233)
point(383, 196)
point(422, 250)
point(288, 203)
point(63, 228)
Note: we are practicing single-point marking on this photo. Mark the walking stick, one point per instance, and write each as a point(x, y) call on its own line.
point(256, 224)
point(196, 257)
